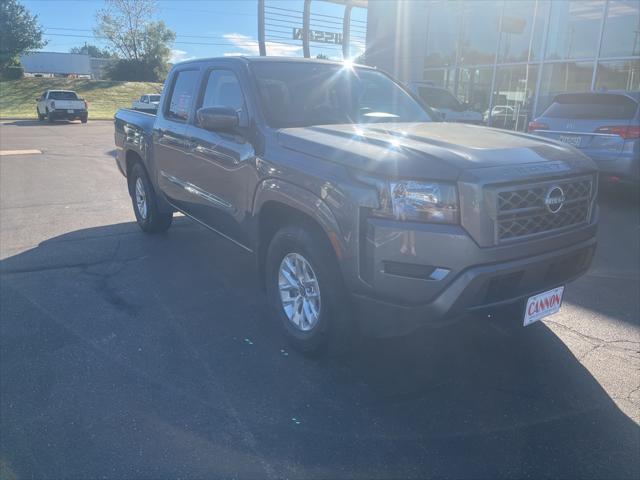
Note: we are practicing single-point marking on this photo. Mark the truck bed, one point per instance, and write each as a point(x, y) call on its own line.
point(133, 126)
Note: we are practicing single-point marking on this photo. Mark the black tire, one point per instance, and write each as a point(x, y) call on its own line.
point(84, 119)
point(49, 117)
point(40, 116)
point(333, 331)
point(153, 220)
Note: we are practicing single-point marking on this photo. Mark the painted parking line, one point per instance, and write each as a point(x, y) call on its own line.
point(19, 152)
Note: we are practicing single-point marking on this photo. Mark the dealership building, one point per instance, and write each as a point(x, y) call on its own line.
point(508, 53)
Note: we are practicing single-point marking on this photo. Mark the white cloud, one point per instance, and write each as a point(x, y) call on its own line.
point(249, 46)
point(179, 56)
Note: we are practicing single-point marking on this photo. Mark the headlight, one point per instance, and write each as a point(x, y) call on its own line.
point(417, 201)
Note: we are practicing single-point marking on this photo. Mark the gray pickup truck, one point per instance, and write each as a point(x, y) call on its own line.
point(359, 208)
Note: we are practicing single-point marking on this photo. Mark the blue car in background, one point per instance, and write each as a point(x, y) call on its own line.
point(603, 125)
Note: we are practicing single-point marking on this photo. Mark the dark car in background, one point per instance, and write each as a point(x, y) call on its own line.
point(603, 125)
point(445, 104)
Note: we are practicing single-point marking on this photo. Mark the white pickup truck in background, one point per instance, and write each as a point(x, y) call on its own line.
point(148, 102)
point(61, 104)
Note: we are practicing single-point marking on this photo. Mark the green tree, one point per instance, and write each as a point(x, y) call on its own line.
point(143, 45)
point(92, 51)
point(19, 32)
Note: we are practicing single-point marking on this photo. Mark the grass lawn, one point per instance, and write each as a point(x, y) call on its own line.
point(18, 97)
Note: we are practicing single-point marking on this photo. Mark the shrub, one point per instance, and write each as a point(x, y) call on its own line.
point(13, 72)
point(137, 70)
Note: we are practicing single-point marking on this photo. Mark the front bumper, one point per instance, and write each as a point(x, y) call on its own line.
point(478, 287)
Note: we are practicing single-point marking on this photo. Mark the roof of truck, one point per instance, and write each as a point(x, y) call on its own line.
point(257, 59)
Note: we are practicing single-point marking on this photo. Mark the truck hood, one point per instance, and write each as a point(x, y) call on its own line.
point(439, 151)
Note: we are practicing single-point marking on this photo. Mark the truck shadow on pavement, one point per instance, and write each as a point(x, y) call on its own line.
point(127, 355)
point(44, 123)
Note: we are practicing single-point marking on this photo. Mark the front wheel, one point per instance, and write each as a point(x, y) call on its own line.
point(49, 116)
point(145, 206)
point(40, 116)
point(305, 291)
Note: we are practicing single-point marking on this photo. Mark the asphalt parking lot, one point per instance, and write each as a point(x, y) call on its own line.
point(126, 355)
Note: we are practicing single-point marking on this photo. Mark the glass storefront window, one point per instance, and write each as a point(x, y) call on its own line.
point(441, 77)
point(513, 96)
point(442, 34)
point(522, 30)
point(621, 36)
point(479, 31)
point(563, 77)
point(623, 75)
point(475, 88)
point(574, 28)
point(466, 36)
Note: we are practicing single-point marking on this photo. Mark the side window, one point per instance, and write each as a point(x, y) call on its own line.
point(143, 99)
point(223, 90)
point(182, 95)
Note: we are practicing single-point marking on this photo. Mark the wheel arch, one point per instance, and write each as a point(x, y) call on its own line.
point(133, 157)
point(278, 203)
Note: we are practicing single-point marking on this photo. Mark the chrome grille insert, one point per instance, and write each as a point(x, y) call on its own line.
point(523, 210)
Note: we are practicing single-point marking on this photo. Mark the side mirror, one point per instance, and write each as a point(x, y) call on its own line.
point(38, 99)
point(218, 118)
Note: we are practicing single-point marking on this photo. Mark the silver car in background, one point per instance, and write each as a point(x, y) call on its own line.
point(603, 125)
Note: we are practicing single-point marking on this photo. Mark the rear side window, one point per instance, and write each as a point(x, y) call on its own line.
point(182, 95)
point(592, 105)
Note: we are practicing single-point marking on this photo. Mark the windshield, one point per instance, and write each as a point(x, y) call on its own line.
point(439, 98)
point(592, 105)
point(62, 96)
point(305, 94)
point(154, 98)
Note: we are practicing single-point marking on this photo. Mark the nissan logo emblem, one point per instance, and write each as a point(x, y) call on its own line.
point(555, 199)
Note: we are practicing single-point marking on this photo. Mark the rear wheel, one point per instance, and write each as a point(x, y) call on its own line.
point(145, 206)
point(305, 291)
point(84, 118)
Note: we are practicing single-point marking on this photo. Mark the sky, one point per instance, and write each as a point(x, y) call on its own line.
point(207, 28)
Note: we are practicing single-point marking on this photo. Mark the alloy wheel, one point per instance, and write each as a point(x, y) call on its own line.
point(299, 292)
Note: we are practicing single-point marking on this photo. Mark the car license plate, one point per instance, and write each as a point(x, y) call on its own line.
point(543, 305)
point(571, 140)
point(69, 111)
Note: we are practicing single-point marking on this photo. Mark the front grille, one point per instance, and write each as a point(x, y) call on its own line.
point(522, 211)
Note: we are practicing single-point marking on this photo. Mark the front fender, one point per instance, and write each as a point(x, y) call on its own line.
point(304, 201)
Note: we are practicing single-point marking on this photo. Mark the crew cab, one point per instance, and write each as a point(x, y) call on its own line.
point(359, 209)
point(147, 102)
point(61, 105)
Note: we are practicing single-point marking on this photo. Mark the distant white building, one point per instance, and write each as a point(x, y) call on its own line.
point(57, 64)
